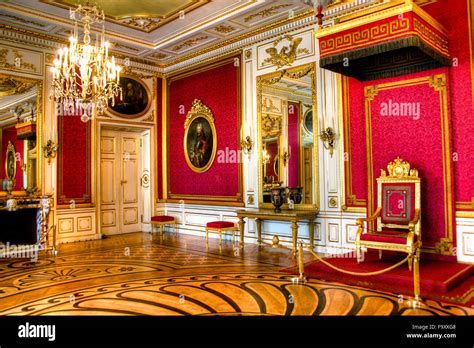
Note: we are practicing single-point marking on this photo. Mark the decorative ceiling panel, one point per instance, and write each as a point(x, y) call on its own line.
point(143, 15)
point(269, 12)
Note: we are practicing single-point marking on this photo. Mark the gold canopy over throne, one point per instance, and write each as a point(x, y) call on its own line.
point(397, 218)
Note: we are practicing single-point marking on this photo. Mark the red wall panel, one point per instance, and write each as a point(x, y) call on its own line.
point(218, 88)
point(159, 136)
point(74, 160)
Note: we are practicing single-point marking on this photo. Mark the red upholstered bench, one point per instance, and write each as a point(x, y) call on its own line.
point(162, 220)
point(220, 226)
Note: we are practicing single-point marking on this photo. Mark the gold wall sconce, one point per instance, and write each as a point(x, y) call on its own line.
point(247, 145)
point(286, 157)
point(50, 150)
point(328, 136)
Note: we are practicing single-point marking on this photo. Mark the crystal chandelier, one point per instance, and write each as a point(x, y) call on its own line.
point(84, 74)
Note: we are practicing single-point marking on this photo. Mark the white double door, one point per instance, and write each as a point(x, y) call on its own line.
point(120, 182)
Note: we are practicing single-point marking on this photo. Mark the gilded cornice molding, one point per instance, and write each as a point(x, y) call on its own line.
point(242, 42)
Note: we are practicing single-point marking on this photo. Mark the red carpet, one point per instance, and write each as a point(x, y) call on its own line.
point(442, 281)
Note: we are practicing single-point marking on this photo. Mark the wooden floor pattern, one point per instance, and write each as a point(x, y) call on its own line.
point(144, 274)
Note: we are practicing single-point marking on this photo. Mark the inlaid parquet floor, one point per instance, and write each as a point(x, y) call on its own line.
point(144, 274)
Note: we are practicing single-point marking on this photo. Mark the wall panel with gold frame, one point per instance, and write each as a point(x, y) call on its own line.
point(218, 86)
point(21, 109)
point(293, 84)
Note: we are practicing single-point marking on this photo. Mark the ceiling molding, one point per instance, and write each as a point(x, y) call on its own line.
point(215, 38)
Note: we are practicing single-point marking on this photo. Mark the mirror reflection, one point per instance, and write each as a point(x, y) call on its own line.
point(18, 121)
point(286, 134)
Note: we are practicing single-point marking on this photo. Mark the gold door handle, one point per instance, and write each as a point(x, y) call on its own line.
point(123, 182)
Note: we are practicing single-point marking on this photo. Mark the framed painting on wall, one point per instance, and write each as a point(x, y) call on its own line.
point(200, 138)
point(308, 121)
point(134, 101)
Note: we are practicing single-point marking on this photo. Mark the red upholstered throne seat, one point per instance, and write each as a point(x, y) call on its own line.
point(396, 224)
point(387, 236)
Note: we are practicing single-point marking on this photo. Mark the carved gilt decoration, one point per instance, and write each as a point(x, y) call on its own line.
point(271, 125)
point(143, 23)
point(198, 108)
point(189, 43)
point(18, 62)
point(223, 28)
point(268, 105)
point(266, 12)
point(151, 117)
point(399, 169)
point(12, 86)
point(287, 54)
point(444, 247)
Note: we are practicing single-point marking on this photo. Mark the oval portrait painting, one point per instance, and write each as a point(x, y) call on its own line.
point(10, 162)
point(308, 121)
point(135, 100)
point(200, 143)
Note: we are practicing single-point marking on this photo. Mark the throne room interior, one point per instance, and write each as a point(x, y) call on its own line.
point(249, 157)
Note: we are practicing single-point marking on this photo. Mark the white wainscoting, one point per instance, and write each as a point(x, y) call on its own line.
point(465, 239)
point(75, 225)
point(331, 230)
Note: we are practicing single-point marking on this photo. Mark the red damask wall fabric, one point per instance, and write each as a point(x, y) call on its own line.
point(355, 151)
point(218, 88)
point(456, 22)
point(159, 136)
point(293, 143)
point(9, 134)
point(74, 160)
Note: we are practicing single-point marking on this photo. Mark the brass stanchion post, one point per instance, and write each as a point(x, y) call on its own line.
point(301, 278)
point(416, 279)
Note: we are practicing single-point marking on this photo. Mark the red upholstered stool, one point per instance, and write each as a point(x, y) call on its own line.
point(220, 226)
point(162, 220)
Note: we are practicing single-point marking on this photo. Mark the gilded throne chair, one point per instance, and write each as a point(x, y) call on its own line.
point(397, 217)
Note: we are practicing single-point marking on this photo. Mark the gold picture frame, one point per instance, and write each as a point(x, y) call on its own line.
point(273, 78)
point(200, 138)
point(136, 98)
point(16, 85)
point(10, 162)
point(307, 122)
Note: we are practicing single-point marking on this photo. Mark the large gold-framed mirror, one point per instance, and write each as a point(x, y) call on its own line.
point(20, 135)
point(287, 145)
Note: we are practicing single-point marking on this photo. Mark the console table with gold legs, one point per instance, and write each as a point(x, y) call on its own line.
point(291, 215)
